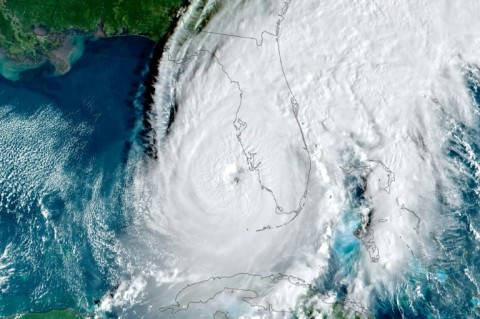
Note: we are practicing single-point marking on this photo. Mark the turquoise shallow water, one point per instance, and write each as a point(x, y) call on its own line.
point(65, 142)
point(66, 146)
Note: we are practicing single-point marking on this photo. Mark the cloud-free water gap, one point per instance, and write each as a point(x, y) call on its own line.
point(68, 145)
point(359, 89)
point(382, 235)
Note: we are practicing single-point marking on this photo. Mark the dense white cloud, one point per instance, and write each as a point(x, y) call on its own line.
point(374, 85)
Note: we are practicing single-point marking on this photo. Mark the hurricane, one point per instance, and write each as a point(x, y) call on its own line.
point(310, 160)
point(315, 160)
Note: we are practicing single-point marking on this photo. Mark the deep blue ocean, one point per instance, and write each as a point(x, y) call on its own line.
point(65, 145)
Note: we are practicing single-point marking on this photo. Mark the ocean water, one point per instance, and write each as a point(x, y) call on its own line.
point(386, 97)
point(364, 116)
point(66, 144)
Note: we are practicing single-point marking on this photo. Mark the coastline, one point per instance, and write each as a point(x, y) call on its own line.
point(90, 114)
point(61, 58)
point(52, 314)
point(71, 45)
point(148, 133)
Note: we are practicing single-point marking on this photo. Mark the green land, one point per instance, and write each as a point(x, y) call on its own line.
point(33, 31)
point(54, 314)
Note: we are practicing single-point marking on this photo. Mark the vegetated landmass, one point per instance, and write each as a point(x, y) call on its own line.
point(54, 314)
point(32, 29)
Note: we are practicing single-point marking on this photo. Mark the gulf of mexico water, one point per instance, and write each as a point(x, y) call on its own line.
point(65, 147)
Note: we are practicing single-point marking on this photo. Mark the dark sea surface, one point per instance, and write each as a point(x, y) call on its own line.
point(448, 288)
point(65, 148)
